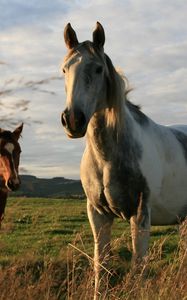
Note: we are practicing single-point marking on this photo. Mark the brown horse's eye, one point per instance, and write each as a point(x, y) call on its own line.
point(63, 70)
point(99, 70)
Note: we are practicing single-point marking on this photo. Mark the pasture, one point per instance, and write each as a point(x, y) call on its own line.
point(46, 247)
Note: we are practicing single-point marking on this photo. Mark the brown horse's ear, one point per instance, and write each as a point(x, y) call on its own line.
point(99, 36)
point(17, 132)
point(70, 37)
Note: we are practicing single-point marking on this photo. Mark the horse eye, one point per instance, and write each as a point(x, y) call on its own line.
point(99, 70)
point(63, 70)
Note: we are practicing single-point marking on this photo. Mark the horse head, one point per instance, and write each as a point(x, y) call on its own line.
point(85, 72)
point(9, 157)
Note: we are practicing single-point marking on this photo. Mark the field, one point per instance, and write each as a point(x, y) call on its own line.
point(46, 251)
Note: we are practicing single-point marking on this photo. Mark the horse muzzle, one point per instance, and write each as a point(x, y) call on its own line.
point(74, 123)
point(13, 184)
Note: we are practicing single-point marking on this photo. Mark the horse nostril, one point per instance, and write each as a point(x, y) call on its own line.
point(12, 185)
point(80, 119)
point(63, 119)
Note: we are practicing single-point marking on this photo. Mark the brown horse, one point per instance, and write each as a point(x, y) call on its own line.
point(9, 162)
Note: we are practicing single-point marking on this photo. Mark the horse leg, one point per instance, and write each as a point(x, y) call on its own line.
point(140, 231)
point(3, 198)
point(101, 227)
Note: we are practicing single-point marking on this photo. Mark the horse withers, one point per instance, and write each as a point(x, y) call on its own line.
point(132, 168)
point(9, 162)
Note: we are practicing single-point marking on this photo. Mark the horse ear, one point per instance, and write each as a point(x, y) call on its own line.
point(70, 37)
point(99, 36)
point(17, 132)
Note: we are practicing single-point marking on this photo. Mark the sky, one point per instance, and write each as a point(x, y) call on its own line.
point(146, 39)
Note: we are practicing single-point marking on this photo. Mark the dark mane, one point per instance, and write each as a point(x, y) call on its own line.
point(137, 114)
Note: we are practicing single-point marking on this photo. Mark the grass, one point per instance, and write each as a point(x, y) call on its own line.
point(45, 245)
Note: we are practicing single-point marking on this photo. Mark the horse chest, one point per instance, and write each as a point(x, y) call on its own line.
point(112, 187)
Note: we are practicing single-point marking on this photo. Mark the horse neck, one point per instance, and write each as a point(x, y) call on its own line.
point(106, 141)
point(3, 197)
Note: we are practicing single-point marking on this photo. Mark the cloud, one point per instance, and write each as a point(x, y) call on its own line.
point(16, 13)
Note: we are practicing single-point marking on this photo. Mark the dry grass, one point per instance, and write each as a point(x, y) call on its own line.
point(72, 278)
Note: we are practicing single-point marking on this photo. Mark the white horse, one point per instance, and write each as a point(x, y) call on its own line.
point(132, 167)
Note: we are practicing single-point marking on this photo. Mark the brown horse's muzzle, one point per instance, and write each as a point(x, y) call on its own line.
point(13, 184)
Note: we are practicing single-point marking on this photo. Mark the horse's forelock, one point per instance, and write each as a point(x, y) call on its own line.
point(6, 134)
point(86, 45)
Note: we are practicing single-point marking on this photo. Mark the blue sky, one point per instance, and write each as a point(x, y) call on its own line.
point(146, 39)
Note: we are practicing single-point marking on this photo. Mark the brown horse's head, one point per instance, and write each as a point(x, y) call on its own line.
point(9, 157)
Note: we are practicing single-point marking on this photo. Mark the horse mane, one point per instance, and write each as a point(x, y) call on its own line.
point(117, 90)
point(136, 113)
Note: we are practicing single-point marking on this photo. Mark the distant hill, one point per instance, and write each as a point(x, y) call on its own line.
point(58, 187)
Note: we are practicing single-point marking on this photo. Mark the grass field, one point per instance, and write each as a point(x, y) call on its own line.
point(46, 247)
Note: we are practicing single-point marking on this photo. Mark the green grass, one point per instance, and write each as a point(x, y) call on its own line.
point(40, 226)
point(37, 250)
point(45, 227)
